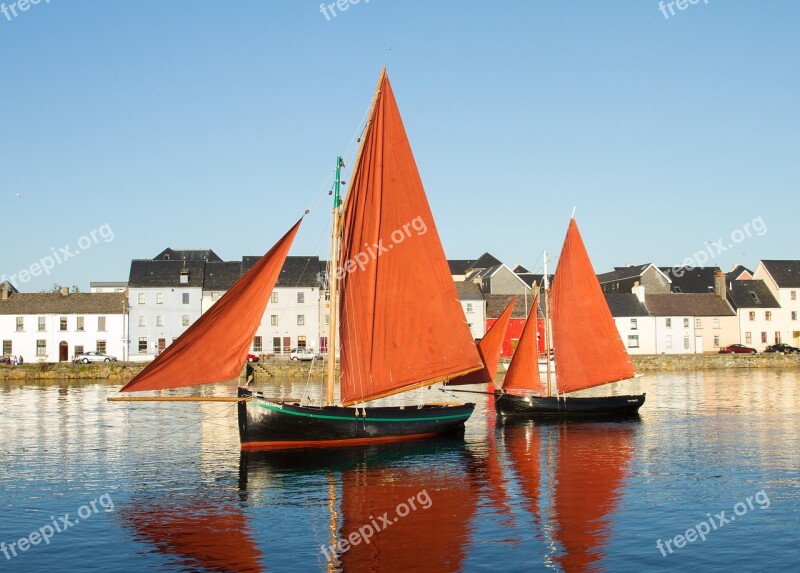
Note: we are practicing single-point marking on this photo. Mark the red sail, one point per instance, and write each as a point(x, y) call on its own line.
point(489, 349)
point(402, 325)
point(591, 466)
point(214, 348)
point(587, 346)
point(523, 372)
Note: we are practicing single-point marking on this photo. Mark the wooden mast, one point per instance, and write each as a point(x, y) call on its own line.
point(333, 285)
point(547, 336)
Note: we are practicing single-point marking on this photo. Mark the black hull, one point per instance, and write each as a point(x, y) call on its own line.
point(568, 407)
point(273, 424)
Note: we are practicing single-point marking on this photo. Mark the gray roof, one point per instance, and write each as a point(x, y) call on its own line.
point(625, 305)
point(147, 273)
point(519, 269)
point(187, 255)
point(687, 304)
point(485, 261)
point(691, 279)
point(785, 273)
point(296, 271)
point(57, 303)
point(497, 303)
point(468, 291)
point(459, 266)
point(622, 273)
point(750, 294)
point(221, 275)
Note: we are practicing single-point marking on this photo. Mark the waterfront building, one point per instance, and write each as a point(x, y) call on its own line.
point(689, 323)
point(623, 279)
point(637, 327)
point(473, 304)
point(782, 277)
point(756, 311)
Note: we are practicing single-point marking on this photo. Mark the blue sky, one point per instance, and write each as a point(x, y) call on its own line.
point(215, 124)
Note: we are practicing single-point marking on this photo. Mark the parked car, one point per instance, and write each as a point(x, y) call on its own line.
point(784, 348)
point(737, 349)
point(252, 358)
point(303, 354)
point(92, 356)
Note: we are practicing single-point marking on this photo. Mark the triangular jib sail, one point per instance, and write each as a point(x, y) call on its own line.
point(523, 372)
point(402, 325)
point(214, 348)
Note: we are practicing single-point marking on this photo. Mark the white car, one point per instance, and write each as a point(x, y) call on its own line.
point(303, 354)
point(87, 357)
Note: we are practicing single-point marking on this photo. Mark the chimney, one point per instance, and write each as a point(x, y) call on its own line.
point(719, 285)
point(4, 291)
point(638, 290)
point(65, 290)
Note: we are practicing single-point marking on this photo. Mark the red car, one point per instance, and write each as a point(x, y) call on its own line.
point(737, 349)
point(252, 358)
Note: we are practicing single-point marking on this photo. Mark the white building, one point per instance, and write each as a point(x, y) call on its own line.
point(637, 328)
point(757, 311)
point(54, 327)
point(783, 280)
point(106, 286)
point(474, 305)
point(690, 323)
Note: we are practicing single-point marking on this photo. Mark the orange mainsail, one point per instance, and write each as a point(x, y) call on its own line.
point(587, 346)
point(523, 372)
point(402, 326)
point(215, 347)
point(489, 349)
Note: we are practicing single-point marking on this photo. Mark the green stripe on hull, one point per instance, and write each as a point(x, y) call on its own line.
point(365, 419)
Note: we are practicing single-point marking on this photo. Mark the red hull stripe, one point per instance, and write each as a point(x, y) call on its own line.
point(288, 444)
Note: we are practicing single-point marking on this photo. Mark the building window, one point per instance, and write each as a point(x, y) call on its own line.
point(668, 341)
point(635, 326)
point(715, 321)
point(141, 298)
point(20, 324)
point(793, 295)
point(274, 298)
point(101, 324)
point(301, 342)
point(142, 345)
point(159, 298)
point(669, 322)
point(258, 344)
point(764, 337)
point(7, 348)
point(41, 348)
point(686, 341)
point(185, 320)
point(752, 316)
point(301, 319)
point(716, 341)
point(159, 320)
point(633, 341)
point(748, 338)
point(273, 320)
point(142, 322)
point(101, 346)
point(42, 325)
point(276, 344)
point(301, 297)
point(78, 349)
point(79, 326)
point(686, 323)
point(777, 337)
point(768, 315)
point(794, 315)
point(185, 298)
point(62, 324)
point(698, 323)
point(327, 319)
point(469, 307)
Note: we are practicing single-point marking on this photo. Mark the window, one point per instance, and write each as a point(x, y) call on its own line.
point(184, 276)
point(768, 315)
point(794, 315)
point(78, 349)
point(469, 307)
point(752, 315)
point(677, 289)
point(327, 319)
point(41, 348)
point(7, 348)
point(715, 321)
point(62, 324)
point(142, 344)
point(301, 342)
point(276, 344)
point(274, 298)
point(79, 328)
point(42, 325)
point(793, 295)
point(301, 319)
point(698, 323)
point(185, 298)
point(257, 344)
point(101, 346)
point(669, 322)
point(633, 341)
point(20, 324)
point(777, 337)
point(686, 342)
point(185, 320)
point(142, 323)
point(716, 341)
point(635, 326)
point(764, 337)
point(273, 320)
point(301, 297)
point(748, 338)
point(159, 320)
point(686, 323)
point(668, 341)
point(101, 324)
point(159, 298)
point(141, 298)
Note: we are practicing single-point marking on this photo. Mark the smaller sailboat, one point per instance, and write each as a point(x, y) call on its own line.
point(586, 346)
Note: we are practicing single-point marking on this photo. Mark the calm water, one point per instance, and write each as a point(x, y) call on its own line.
point(163, 487)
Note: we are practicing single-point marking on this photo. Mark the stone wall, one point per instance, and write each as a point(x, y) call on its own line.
point(650, 362)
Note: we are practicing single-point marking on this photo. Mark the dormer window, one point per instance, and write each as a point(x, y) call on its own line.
point(184, 276)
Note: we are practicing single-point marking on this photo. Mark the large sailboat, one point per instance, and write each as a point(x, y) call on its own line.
point(586, 347)
point(400, 321)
